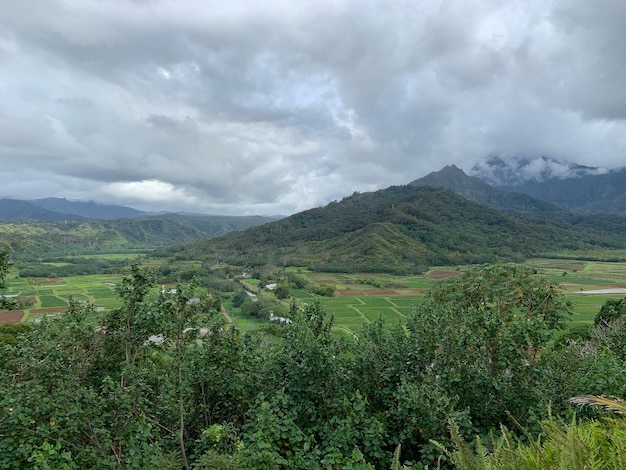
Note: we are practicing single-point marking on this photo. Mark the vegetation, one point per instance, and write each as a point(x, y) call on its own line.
point(402, 230)
point(163, 382)
point(36, 241)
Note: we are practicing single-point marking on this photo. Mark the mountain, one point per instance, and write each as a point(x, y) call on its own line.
point(399, 229)
point(573, 187)
point(453, 178)
point(89, 210)
point(588, 194)
point(15, 210)
point(516, 170)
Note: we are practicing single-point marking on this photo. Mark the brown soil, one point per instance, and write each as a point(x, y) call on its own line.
point(443, 274)
point(14, 316)
point(48, 279)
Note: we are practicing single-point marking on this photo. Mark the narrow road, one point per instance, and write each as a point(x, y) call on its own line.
point(225, 314)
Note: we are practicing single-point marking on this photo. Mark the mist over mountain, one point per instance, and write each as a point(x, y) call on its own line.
point(516, 170)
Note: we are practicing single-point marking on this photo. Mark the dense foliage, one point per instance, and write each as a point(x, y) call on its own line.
point(163, 382)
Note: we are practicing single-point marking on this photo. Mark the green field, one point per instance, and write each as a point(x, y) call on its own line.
point(359, 298)
point(367, 302)
point(55, 293)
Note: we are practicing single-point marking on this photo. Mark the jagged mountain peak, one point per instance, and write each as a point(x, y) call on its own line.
point(453, 178)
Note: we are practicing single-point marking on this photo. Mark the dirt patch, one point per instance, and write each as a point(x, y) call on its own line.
point(379, 292)
point(48, 310)
point(443, 274)
point(14, 316)
point(617, 290)
point(48, 279)
point(347, 293)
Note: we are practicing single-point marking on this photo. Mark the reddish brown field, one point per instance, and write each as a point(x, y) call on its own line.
point(48, 279)
point(443, 274)
point(11, 317)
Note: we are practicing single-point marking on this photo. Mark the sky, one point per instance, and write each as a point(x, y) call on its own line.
point(276, 106)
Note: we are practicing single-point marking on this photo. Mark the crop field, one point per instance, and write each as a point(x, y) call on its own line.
point(358, 299)
point(51, 295)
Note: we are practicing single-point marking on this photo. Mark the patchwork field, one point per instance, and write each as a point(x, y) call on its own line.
point(358, 299)
point(52, 295)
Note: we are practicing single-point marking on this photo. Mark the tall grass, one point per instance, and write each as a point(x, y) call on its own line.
point(580, 445)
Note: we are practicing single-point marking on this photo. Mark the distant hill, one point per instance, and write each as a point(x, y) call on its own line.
point(15, 210)
point(398, 229)
point(453, 178)
point(44, 239)
point(89, 210)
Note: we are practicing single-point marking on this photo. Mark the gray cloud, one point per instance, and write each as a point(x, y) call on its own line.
point(275, 107)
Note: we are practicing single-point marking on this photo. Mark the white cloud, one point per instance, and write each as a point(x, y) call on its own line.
point(273, 107)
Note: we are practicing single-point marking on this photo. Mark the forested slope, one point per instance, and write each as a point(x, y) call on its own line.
point(400, 229)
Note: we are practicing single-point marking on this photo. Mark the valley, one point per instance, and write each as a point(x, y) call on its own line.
point(354, 334)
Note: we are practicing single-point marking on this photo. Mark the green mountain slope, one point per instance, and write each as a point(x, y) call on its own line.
point(44, 239)
point(402, 228)
point(589, 194)
point(473, 188)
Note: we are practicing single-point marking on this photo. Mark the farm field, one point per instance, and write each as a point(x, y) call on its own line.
point(358, 299)
point(51, 295)
point(393, 297)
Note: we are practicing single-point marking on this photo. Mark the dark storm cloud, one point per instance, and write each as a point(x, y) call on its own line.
point(278, 106)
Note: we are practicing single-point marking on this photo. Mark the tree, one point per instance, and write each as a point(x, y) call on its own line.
point(5, 302)
point(610, 311)
point(480, 336)
point(281, 291)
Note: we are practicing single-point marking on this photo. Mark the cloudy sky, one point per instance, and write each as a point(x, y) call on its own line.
point(276, 106)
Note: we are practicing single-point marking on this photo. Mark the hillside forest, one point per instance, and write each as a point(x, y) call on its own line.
point(474, 379)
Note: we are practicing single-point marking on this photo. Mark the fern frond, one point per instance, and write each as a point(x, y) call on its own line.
point(608, 404)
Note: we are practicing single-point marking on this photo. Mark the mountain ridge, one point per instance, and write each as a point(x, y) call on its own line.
point(399, 229)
